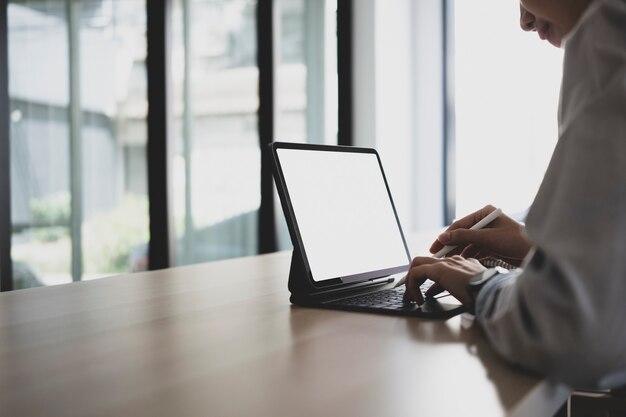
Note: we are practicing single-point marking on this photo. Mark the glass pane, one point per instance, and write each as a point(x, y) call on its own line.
point(109, 138)
point(306, 72)
point(217, 163)
point(507, 87)
point(40, 173)
point(113, 91)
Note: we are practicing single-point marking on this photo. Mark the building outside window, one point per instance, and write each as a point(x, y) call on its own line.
point(217, 158)
point(78, 139)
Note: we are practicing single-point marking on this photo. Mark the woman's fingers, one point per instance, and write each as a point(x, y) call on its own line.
point(463, 223)
point(421, 270)
point(451, 274)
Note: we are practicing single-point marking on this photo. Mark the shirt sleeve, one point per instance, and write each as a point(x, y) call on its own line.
point(543, 319)
point(564, 314)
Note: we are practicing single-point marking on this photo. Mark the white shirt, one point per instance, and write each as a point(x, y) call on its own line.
point(564, 314)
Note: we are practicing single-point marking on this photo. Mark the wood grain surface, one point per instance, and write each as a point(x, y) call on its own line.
point(222, 339)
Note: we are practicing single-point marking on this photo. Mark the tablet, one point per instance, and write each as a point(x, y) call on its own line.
point(340, 212)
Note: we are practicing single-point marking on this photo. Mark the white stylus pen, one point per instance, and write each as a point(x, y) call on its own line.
point(448, 248)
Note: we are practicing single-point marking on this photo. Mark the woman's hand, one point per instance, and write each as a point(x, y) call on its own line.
point(451, 274)
point(504, 238)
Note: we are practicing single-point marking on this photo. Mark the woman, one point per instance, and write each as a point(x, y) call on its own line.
point(563, 313)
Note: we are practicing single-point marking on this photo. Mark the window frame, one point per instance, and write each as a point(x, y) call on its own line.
point(345, 59)
point(6, 265)
point(265, 18)
point(159, 121)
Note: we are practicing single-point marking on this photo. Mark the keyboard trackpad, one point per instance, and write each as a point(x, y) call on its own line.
point(444, 298)
point(446, 306)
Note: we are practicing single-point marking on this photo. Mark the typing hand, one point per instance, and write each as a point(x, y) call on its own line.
point(504, 238)
point(451, 274)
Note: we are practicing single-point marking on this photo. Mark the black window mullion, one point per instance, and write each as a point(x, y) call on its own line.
point(267, 241)
point(158, 178)
point(344, 71)
point(6, 268)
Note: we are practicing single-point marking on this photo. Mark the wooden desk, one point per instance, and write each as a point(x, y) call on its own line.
point(221, 339)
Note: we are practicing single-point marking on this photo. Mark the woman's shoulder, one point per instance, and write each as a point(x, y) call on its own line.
point(595, 57)
point(601, 28)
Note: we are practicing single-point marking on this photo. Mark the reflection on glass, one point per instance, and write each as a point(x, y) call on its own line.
point(217, 163)
point(106, 119)
point(507, 86)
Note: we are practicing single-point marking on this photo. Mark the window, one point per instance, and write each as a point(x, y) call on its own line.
point(217, 163)
point(506, 92)
point(78, 137)
point(504, 85)
point(216, 170)
point(398, 102)
point(306, 79)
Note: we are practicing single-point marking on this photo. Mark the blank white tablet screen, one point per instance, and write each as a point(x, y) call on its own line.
point(343, 211)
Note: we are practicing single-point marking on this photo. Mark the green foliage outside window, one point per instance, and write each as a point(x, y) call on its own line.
point(110, 237)
point(51, 217)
